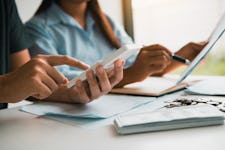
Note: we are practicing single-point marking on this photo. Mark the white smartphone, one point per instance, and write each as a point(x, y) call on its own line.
point(122, 53)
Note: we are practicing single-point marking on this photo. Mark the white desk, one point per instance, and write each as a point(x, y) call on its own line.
point(22, 131)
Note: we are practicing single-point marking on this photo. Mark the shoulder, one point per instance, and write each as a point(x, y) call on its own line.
point(120, 32)
point(38, 24)
point(44, 21)
point(37, 21)
point(115, 25)
point(10, 4)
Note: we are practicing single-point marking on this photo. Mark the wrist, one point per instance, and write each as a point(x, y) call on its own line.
point(60, 95)
point(188, 56)
point(3, 88)
point(130, 76)
point(181, 54)
point(1, 84)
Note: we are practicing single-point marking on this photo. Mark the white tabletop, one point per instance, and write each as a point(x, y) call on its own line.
point(23, 131)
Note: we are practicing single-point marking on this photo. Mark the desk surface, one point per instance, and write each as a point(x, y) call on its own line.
point(22, 131)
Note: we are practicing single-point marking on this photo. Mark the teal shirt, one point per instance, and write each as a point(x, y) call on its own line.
point(56, 32)
point(13, 37)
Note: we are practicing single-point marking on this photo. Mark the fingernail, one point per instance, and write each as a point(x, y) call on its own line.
point(100, 69)
point(65, 81)
point(119, 64)
point(88, 66)
point(204, 42)
point(123, 62)
point(78, 83)
point(88, 74)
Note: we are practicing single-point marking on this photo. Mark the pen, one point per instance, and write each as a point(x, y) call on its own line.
point(180, 59)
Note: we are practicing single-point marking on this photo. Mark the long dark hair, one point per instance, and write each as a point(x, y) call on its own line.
point(99, 16)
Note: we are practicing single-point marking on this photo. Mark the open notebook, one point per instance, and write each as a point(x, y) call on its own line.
point(152, 86)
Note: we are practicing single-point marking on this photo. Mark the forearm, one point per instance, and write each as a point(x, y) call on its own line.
point(5, 95)
point(18, 59)
point(174, 65)
point(60, 95)
point(137, 74)
point(1, 89)
point(189, 51)
point(130, 75)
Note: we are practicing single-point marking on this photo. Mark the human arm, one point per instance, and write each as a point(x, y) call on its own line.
point(92, 88)
point(36, 78)
point(18, 59)
point(45, 42)
point(189, 51)
point(151, 59)
point(49, 42)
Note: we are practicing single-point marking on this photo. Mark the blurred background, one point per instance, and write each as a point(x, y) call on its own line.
point(172, 23)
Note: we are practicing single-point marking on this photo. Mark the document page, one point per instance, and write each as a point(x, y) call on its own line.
point(104, 107)
point(208, 87)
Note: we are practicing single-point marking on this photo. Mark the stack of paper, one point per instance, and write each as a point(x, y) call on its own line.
point(167, 119)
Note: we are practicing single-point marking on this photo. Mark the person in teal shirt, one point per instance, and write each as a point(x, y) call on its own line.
point(56, 32)
point(22, 77)
point(80, 29)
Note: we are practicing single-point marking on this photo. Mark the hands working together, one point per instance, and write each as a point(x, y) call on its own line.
point(152, 60)
point(39, 79)
point(92, 88)
point(156, 60)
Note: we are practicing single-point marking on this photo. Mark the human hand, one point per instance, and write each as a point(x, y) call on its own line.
point(96, 85)
point(191, 50)
point(37, 78)
point(151, 59)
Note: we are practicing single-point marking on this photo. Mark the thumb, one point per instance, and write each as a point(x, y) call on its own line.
point(204, 43)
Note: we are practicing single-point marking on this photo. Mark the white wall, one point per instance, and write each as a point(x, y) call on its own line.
point(173, 23)
point(113, 8)
point(27, 8)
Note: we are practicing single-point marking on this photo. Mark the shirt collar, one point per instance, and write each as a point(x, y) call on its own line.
point(56, 15)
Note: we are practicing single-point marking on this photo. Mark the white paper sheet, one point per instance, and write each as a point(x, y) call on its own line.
point(104, 107)
point(208, 87)
point(92, 124)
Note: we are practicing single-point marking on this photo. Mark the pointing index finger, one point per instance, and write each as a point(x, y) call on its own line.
point(56, 60)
